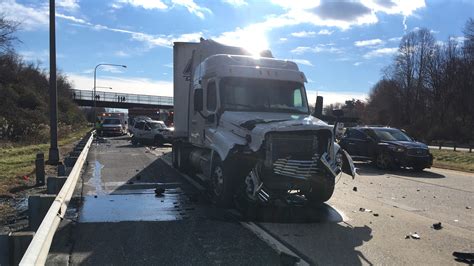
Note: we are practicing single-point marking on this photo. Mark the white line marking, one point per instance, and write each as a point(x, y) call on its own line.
point(271, 241)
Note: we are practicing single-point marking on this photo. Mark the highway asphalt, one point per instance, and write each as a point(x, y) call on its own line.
point(116, 218)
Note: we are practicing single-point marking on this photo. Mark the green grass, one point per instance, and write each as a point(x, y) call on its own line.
point(17, 161)
point(455, 160)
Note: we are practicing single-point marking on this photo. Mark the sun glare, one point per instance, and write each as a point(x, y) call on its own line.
point(254, 42)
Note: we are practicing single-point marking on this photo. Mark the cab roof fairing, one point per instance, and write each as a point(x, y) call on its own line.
point(222, 65)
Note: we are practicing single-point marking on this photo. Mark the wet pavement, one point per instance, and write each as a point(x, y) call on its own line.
point(120, 220)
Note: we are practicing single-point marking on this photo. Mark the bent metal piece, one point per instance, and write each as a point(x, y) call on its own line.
point(38, 249)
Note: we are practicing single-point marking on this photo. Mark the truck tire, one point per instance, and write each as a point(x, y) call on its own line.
point(222, 184)
point(321, 190)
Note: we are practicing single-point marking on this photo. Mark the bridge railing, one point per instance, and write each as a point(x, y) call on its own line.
point(103, 96)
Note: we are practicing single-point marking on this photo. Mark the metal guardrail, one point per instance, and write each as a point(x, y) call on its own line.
point(103, 96)
point(38, 249)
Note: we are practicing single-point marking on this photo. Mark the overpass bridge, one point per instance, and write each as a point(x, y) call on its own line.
point(120, 100)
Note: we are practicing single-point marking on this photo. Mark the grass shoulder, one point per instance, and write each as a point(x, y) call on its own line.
point(454, 160)
point(17, 161)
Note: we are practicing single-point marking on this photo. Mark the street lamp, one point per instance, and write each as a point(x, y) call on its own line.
point(95, 75)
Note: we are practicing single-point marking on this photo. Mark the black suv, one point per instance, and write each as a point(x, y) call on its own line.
point(387, 147)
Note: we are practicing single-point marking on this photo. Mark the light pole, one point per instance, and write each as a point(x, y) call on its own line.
point(53, 158)
point(95, 75)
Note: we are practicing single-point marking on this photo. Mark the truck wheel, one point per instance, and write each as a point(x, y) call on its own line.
point(321, 190)
point(134, 141)
point(222, 185)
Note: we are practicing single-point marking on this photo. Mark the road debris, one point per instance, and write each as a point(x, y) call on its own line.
point(413, 236)
point(464, 257)
point(354, 189)
point(364, 210)
point(159, 191)
point(468, 207)
point(376, 214)
point(437, 226)
point(130, 183)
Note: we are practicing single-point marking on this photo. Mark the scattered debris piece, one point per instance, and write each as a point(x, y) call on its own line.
point(464, 257)
point(434, 197)
point(130, 183)
point(159, 191)
point(404, 196)
point(376, 214)
point(417, 189)
point(136, 170)
point(468, 207)
point(415, 236)
point(437, 226)
point(25, 177)
point(354, 189)
point(364, 210)
point(392, 216)
point(371, 183)
point(456, 221)
point(407, 236)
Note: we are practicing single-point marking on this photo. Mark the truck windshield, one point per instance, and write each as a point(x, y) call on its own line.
point(259, 95)
point(111, 121)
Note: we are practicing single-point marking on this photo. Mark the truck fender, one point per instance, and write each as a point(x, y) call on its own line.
point(222, 142)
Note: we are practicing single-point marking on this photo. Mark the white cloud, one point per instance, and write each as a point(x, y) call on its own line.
point(192, 7)
point(35, 56)
point(68, 4)
point(357, 63)
point(121, 53)
point(459, 39)
point(316, 49)
point(302, 34)
point(325, 32)
point(331, 97)
point(373, 42)
point(302, 62)
point(135, 85)
point(395, 39)
point(146, 4)
point(31, 17)
point(236, 3)
point(381, 52)
point(283, 39)
point(72, 18)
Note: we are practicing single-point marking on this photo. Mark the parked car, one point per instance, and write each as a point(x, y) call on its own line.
point(112, 126)
point(386, 147)
point(151, 132)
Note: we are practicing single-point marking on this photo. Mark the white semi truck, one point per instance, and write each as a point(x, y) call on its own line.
point(243, 126)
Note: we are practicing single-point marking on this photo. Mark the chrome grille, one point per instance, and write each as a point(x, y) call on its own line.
point(417, 152)
point(297, 168)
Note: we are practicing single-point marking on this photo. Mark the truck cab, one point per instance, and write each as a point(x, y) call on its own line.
point(248, 131)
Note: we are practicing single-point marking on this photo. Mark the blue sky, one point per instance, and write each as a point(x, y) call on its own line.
point(342, 46)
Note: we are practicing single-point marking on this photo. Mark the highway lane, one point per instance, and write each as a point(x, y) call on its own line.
point(125, 225)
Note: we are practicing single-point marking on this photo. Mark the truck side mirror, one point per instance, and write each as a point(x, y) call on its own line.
point(198, 100)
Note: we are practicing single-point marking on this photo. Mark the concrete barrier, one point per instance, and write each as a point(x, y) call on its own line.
point(13, 246)
point(38, 206)
point(54, 184)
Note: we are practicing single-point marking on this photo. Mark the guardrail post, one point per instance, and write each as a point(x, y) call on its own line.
point(39, 169)
point(470, 148)
point(38, 206)
point(454, 146)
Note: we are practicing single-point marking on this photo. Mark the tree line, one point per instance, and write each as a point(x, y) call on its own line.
point(24, 97)
point(428, 89)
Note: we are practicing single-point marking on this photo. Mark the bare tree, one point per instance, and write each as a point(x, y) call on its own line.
point(7, 30)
